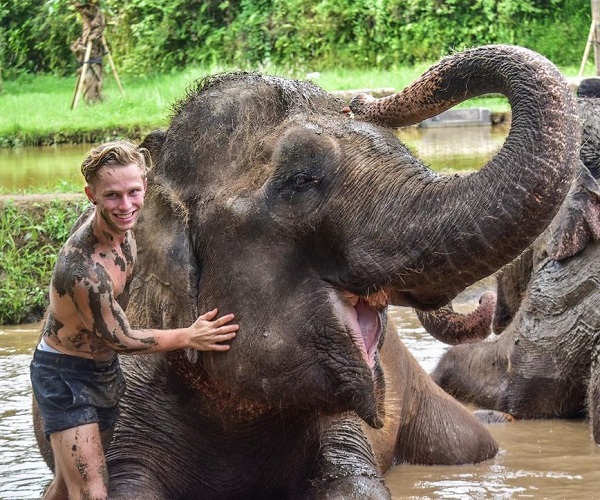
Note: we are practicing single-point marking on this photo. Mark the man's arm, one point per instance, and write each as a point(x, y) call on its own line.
point(102, 315)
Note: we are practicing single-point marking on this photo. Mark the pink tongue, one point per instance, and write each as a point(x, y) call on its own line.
point(368, 319)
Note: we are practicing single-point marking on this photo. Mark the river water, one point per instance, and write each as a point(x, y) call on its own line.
point(537, 459)
point(27, 167)
point(543, 459)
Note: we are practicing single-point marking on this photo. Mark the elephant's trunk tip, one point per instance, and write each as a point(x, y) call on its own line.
point(360, 105)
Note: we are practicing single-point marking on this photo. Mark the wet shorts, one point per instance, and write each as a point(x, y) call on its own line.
point(71, 391)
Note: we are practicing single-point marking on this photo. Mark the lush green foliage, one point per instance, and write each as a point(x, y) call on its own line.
point(161, 35)
point(35, 36)
point(29, 242)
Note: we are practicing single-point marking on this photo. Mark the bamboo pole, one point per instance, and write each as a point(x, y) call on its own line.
point(86, 63)
point(596, 38)
point(112, 64)
point(586, 52)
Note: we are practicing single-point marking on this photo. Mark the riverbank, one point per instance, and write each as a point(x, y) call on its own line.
point(36, 109)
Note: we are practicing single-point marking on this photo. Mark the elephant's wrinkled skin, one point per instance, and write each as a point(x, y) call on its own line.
point(266, 201)
point(588, 101)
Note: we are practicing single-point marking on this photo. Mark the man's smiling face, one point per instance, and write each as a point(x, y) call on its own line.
point(118, 194)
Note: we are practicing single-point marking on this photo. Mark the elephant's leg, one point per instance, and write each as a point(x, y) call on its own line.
point(435, 429)
point(442, 431)
point(129, 479)
point(43, 443)
point(346, 465)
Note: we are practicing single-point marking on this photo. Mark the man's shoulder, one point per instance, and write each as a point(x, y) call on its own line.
point(72, 270)
point(75, 265)
point(81, 234)
point(77, 250)
point(83, 219)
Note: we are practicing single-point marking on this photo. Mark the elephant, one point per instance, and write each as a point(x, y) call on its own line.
point(307, 218)
point(539, 364)
point(544, 364)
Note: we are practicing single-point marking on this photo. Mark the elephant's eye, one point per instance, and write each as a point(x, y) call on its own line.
point(304, 181)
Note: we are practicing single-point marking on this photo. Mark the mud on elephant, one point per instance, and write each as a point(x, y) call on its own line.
point(266, 200)
point(547, 312)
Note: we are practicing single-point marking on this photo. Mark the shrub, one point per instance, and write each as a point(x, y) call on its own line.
point(149, 36)
point(30, 238)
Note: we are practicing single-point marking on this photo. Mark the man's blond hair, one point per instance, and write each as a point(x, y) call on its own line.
point(114, 154)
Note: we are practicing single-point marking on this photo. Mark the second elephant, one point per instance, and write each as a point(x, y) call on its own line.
point(547, 318)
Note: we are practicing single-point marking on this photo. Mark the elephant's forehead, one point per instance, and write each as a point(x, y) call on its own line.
point(314, 127)
point(239, 206)
point(379, 139)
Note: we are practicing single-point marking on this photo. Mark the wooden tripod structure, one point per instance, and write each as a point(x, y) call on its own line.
point(82, 75)
point(90, 48)
point(588, 44)
point(592, 39)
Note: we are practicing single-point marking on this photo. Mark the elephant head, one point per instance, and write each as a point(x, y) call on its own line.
point(268, 201)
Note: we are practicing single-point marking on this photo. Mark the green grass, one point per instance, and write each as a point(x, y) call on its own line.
point(35, 110)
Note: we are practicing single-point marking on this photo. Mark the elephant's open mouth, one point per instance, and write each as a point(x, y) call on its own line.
point(362, 316)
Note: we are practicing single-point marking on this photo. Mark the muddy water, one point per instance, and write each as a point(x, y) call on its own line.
point(541, 459)
point(23, 473)
point(22, 168)
point(537, 459)
point(453, 149)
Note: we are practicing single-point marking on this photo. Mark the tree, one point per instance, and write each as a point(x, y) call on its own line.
point(89, 50)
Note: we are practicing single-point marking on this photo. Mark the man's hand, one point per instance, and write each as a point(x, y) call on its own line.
point(207, 335)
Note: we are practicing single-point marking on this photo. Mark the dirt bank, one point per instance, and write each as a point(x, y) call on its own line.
point(24, 200)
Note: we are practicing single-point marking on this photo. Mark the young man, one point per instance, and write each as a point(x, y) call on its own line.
point(75, 370)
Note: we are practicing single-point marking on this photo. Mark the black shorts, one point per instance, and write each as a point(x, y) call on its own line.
point(71, 391)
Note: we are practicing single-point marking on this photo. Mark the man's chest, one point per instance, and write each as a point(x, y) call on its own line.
point(118, 267)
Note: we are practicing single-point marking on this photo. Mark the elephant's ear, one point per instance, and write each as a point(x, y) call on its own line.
point(578, 220)
point(164, 286)
point(153, 142)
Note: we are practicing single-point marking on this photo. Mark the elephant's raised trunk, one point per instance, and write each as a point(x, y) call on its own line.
point(474, 224)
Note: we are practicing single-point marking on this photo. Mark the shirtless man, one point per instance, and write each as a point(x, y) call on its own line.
point(75, 370)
